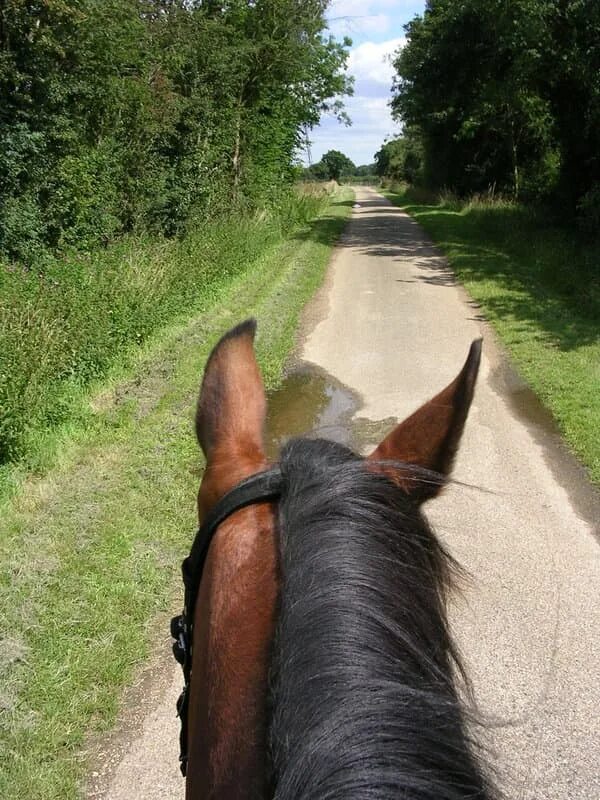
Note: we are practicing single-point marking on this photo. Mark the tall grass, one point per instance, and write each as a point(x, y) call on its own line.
point(90, 552)
point(68, 323)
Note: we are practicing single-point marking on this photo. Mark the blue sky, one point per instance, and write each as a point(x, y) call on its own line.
point(376, 30)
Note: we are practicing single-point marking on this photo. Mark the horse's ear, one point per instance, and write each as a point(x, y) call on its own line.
point(429, 438)
point(232, 404)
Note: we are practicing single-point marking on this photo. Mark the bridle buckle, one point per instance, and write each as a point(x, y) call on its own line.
point(180, 645)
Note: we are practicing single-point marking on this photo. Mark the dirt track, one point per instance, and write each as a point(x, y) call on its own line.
point(391, 324)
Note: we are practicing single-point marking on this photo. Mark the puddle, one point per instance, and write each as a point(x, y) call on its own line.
point(312, 403)
point(566, 469)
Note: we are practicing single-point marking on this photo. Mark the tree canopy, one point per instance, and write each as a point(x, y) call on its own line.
point(505, 95)
point(121, 115)
point(337, 165)
point(333, 165)
point(400, 159)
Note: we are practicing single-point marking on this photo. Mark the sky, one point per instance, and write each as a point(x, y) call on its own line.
point(376, 30)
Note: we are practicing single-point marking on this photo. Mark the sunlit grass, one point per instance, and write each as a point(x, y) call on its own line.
point(90, 553)
point(66, 325)
point(539, 285)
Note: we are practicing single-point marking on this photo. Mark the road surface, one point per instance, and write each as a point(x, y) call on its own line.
point(391, 324)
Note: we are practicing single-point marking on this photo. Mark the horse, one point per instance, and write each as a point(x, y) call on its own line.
point(321, 664)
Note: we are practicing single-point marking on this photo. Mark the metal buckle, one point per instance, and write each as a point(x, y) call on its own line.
point(180, 645)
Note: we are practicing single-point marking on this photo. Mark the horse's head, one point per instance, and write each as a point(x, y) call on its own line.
point(236, 607)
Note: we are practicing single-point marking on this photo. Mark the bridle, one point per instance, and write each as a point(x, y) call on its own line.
point(260, 488)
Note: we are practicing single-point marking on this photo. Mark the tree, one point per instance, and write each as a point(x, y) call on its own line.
point(337, 165)
point(400, 159)
point(570, 81)
point(120, 115)
point(365, 170)
point(493, 89)
point(468, 84)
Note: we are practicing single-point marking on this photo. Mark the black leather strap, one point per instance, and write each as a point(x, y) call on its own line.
point(260, 488)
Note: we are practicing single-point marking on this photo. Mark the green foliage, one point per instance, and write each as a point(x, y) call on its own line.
point(589, 212)
point(365, 171)
point(124, 123)
point(146, 115)
point(491, 91)
point(571, 82)
point(66, 325)
point(334, 165)
point(400, 159)
point(316, 172)
point(337, 165)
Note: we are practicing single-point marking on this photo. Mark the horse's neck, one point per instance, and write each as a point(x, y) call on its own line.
point(232, 637)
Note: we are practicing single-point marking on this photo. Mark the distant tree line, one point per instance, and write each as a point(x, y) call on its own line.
point(401, 159)
point(501, 96)
point(336, 166)
point(333, 165)
point(120, 115)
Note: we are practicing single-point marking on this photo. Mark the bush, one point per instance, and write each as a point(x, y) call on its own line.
point(66, 324)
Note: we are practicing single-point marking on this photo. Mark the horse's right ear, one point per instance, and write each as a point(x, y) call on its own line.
point(429, 438)
point(232, 405)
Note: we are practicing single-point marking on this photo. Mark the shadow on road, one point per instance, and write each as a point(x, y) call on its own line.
point(376, 229)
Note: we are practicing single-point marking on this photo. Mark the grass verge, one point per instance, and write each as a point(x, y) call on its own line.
point(68, 323)
point(539, 286)
point(90, 553)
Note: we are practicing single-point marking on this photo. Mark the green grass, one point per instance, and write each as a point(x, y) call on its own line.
point(66, 325)
point(539, 286)
point(90, 552)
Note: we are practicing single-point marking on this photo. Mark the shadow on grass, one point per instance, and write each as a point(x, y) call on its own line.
point(540, 276)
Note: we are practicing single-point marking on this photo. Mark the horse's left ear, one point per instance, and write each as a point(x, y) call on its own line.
point(429, 438)
point(231, 412)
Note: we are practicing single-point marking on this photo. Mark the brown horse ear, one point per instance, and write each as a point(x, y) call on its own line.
point(232, 405)
point(429, 438)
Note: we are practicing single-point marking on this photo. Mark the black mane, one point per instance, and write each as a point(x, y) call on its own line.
point(363, 700)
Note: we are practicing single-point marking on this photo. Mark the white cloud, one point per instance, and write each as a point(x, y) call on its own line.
point(352, 17)
point(368, 108)
point(373, 61)
point(355, 26)
point(371, 125)
point(370, 63)
point(373, 105)
point(357, 17)
point(348, 8)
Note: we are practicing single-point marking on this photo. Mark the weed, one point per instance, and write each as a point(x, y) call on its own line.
point(65, 326)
